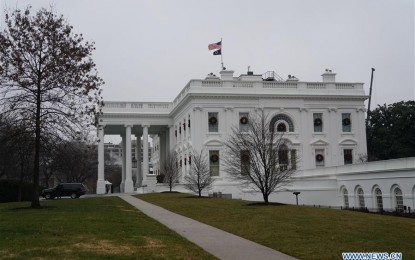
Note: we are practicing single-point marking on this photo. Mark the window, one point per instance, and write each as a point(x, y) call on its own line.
point(294, 159)
point(345, 198)
point(283, 157)
point(245, 162)
point(348, 156)
point(243, 122)
point(318, 122)
point(360, 197)
point(281, 127)
point(319, 157)
point(346, 122)
point(213, 122)
point(398, 199)
point(281, 118)
point(378, 197)
point(214, 163)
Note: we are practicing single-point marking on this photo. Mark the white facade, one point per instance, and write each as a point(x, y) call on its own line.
point(323, 121)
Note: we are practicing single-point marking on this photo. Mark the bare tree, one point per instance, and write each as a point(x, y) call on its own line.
point(75, 161)
point(259, 157)
point(171, 170)
point(47, 78)
point(199, 177)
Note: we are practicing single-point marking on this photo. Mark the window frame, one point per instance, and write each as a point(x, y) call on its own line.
point(346, 128)
point(214, 165)
point(318, 129)
point(213, 128)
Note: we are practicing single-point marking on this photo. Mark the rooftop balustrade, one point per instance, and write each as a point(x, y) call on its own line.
point(228, 86)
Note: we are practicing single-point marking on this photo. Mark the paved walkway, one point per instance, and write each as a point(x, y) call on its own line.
point(219, 243)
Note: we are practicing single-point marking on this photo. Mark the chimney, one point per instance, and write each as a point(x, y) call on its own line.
point(226, 75)
point(329, 76)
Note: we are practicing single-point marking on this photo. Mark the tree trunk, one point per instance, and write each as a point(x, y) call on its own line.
point(19, 193)
point(35, 199)
point(265, 198)
point(200, 193)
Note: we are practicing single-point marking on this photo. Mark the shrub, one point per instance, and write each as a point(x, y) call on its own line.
point(160, 178)
point(9, 190)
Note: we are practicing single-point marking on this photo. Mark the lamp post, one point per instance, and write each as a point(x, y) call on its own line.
point(296, 195)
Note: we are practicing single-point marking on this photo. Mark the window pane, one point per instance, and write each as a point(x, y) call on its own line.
point(293, 159)
point(214, 163)
point(379, 201)
point(348, 156)
point(346, 122)
point(213, 122)
point(245, 162)
point(319, 157)
point(243, 122)
point(318, 122)
point(398, 200)
point(361, 198)
point(346, 198)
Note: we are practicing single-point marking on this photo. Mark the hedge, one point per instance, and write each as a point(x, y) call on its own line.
point(9, 191)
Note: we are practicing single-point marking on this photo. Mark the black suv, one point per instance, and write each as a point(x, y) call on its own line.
point(75, 190)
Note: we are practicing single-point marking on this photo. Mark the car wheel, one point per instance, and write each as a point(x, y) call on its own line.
point(48, 196)
point(74, 196)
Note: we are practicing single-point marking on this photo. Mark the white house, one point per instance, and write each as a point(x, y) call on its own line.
point(324, 123)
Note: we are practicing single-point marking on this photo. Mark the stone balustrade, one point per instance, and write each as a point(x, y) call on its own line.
point(229, 86)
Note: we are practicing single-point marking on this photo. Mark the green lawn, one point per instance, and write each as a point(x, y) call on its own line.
point(90, 228)
point(303, 232)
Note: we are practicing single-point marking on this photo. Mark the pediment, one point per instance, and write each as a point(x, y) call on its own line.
point(319, 142)
point(348, 141)
point(212, 142)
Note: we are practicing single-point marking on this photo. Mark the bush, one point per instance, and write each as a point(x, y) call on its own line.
point(160, 178)
point(9, 190)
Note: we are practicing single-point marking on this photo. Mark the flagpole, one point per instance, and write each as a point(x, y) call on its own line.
point(221, 55)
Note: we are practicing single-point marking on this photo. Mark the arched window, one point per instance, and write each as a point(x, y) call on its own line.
point(286, 120)
point(379, 200)
point(360, 197)
point(398, 199)
point(345, 198)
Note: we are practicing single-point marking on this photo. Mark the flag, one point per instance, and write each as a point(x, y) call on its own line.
point(214, 46)
point(217, 52)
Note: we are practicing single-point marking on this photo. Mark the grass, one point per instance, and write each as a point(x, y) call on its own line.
point(302, 232)
point(90, 228)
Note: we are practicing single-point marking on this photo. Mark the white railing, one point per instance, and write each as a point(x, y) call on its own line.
point(221, 86)
point(344, 86)
point(279, 85)
point(211, 84)
point(243, 85)
point(137, 106)
point(316, 85)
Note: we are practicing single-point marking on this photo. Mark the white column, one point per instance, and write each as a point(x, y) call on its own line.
point(162, 148)
point(172, 139)
point(138, 177)
point(129, 185)
point(122, 186)
point(101, 176)
point(145, 150)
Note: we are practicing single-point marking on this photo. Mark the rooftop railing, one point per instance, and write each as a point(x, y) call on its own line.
point(222, 86)
point(114, 106)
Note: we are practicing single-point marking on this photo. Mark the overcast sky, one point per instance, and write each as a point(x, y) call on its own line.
point(149, 50)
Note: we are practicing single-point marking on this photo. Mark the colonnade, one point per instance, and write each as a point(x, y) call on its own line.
point(127, 184)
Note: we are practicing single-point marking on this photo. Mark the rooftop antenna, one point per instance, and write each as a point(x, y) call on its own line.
point(370, 98)
point(249, 68)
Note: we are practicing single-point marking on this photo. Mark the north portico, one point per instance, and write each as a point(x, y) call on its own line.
point(122, 119)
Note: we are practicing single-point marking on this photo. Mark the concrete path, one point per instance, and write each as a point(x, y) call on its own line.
point(219, 243)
